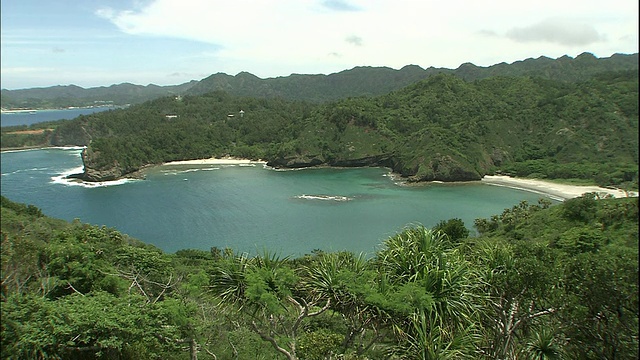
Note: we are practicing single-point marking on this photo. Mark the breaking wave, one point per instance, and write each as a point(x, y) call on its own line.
point(64, 179)
point(324, 197)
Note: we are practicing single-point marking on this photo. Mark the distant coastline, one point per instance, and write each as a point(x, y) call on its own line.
point(17, 111)
point(35, 110)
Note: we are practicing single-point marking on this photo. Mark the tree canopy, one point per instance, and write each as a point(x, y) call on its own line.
point(538, 281)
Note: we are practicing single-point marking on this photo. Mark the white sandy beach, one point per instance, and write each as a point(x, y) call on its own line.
point(558, 191)
point(216, 161)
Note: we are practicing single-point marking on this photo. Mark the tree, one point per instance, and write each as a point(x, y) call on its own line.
point(518, 284)
point(600, 316)
point(454, 228)
point(265, 289)
point(430, 294)
point(350, 283)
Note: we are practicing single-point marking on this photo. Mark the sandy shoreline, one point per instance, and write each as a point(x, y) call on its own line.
point(554, 190)
point(557, 191)
point(215, 161)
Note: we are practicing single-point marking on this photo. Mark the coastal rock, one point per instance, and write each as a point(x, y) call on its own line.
point(444, 168)
point(295, 162)
point(302, 161)
point(96, 175)
point(94, 171)
point(498, 156)
point(375, 160)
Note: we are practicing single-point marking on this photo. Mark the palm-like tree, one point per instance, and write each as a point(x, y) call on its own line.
point(542, 345)
point(347, 281)
point(265, 289)
point(517, 294)
point(441, 324)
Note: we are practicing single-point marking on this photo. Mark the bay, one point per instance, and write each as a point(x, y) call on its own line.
point(248, 208)
point(38, 116)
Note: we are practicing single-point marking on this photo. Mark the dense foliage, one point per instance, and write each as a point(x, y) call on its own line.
point(538, 282)
point(442, 128)
point(64, 96)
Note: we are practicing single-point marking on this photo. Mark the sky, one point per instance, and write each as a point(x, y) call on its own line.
point(93, 43)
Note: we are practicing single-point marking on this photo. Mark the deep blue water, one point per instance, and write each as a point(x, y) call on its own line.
point(248, 208)
point(28, 118)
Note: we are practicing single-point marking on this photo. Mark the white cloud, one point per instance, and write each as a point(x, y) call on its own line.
point(340, 5)
point(269, 37)
point(560, 31)
point(354, 40)
point(278, 37)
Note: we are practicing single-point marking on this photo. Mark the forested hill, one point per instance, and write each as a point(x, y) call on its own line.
point(371, 81)
point(557, 282)
point(359, 81)
point(442, 128)
point(71, 95)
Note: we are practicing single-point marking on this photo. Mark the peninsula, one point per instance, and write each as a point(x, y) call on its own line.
point(449, 126)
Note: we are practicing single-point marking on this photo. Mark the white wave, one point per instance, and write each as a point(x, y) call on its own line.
point(63, 179)
point(324, 197)
point(46, 148)
point(67, 147)
point(286, 169)
point(22, 150)
point(24, 170)
point(176, 172)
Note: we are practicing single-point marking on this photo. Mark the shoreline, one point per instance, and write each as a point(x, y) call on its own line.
point(557, 191)
point(214, 161)
point(35, 110)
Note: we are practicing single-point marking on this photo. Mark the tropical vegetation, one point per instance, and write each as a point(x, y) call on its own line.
point(537, 282)
point(442, 128)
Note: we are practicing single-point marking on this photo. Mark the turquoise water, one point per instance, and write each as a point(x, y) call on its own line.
point(248, 208)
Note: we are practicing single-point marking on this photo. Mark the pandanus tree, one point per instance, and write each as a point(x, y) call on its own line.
point(429, 291)
point(266, 289)
point(520, 286)
point(350, 282)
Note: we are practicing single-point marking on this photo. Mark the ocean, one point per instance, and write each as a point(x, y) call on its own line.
point(248, 208)
point(37, 116)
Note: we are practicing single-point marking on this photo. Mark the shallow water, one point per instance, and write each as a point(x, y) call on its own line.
point(248, 208)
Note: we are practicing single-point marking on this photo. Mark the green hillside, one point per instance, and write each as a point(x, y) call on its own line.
point(538, 282)
point(374, 81)
point(442, 128)
point(572, 120)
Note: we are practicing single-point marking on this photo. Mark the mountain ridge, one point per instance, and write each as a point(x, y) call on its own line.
point(357, 81)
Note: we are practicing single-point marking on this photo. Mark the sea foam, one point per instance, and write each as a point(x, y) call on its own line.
point(324, 197)
point(64, 179)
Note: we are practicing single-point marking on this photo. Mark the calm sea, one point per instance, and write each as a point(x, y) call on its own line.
point(248, 208)
point(28, 118)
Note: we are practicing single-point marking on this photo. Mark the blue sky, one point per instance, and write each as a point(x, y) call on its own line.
point(166, 42)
